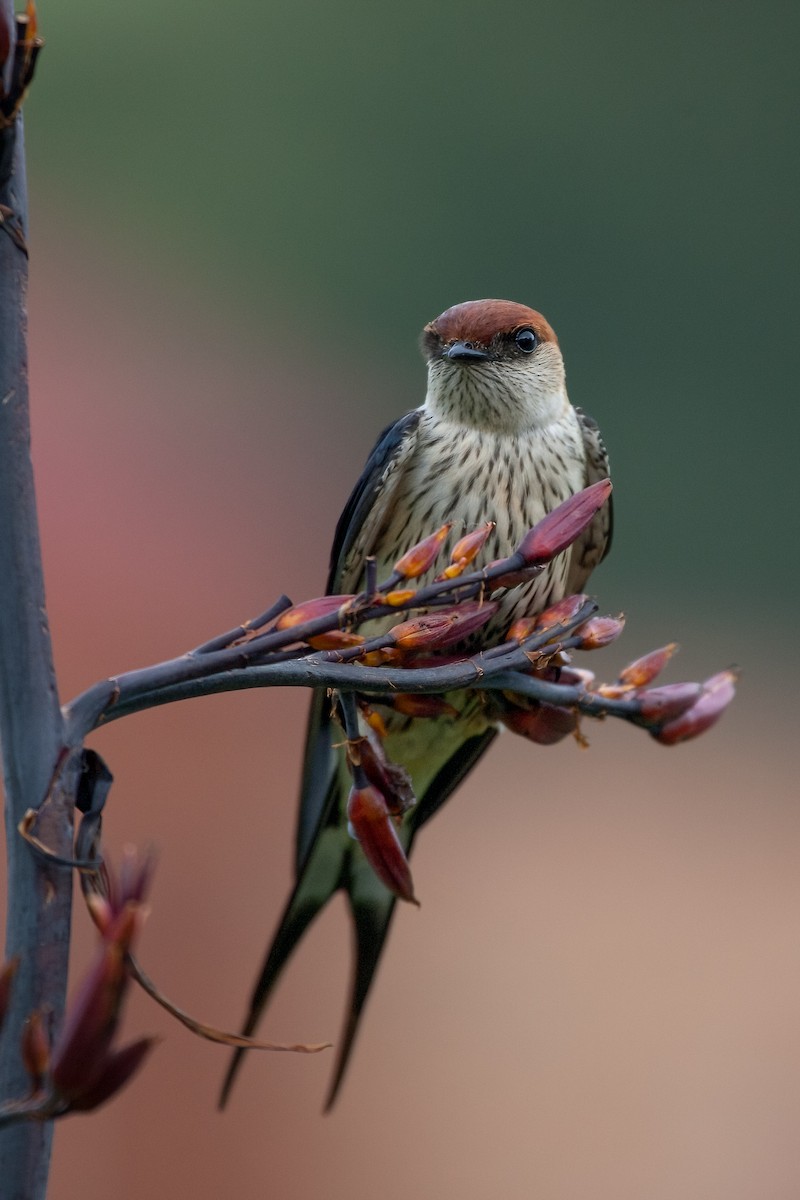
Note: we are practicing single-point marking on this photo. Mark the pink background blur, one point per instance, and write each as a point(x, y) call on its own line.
point(599, 997)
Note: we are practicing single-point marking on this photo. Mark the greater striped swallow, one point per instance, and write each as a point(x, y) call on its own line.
point(498, 440)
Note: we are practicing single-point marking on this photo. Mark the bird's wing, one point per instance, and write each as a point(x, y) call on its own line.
point(360, 521)
point(595, 542)
point(359, 526)
point(323, 846)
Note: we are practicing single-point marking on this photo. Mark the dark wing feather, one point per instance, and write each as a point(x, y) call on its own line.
point(595, 542)
point(390, 448)
point(319, 759)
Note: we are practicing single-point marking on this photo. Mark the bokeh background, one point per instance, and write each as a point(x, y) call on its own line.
point(241, 218)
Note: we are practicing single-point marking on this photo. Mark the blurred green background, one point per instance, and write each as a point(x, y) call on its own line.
point(241, 219)
point(333, 175)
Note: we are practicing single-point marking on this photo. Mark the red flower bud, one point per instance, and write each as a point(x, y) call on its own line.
point(563, 525)
point(543, 723)
point(561, 612)
point(89, 1027)
point(391, 780)
point(442, 626)
point(375, 832)
point(599, 632)
point(419, 558)
point(118, 1067)
point(5, 39)
point(645, 669)
point(662, 704)
point(718, 691)
point(311, 610)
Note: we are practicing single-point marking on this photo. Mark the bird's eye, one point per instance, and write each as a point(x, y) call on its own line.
point(526, 340)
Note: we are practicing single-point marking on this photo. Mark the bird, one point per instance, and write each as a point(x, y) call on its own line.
point(496, 440)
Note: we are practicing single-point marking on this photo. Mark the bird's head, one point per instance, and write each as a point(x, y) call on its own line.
point(494, 364)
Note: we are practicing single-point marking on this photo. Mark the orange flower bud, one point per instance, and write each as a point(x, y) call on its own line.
point(466, 550)
point(472, 543)
point(564, 524)
point(311, 610)
point(336, 639)
point(645, 669)
point(375, 832)
point(443, 626)
point(33, 21)
point(378, 658)
point(561, 612)
point(398, 597)
point(419, 558)
point(600, 631)
point(522, 629)
point(376, 722)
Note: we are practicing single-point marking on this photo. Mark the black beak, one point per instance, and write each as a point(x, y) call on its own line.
point(465, 352)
